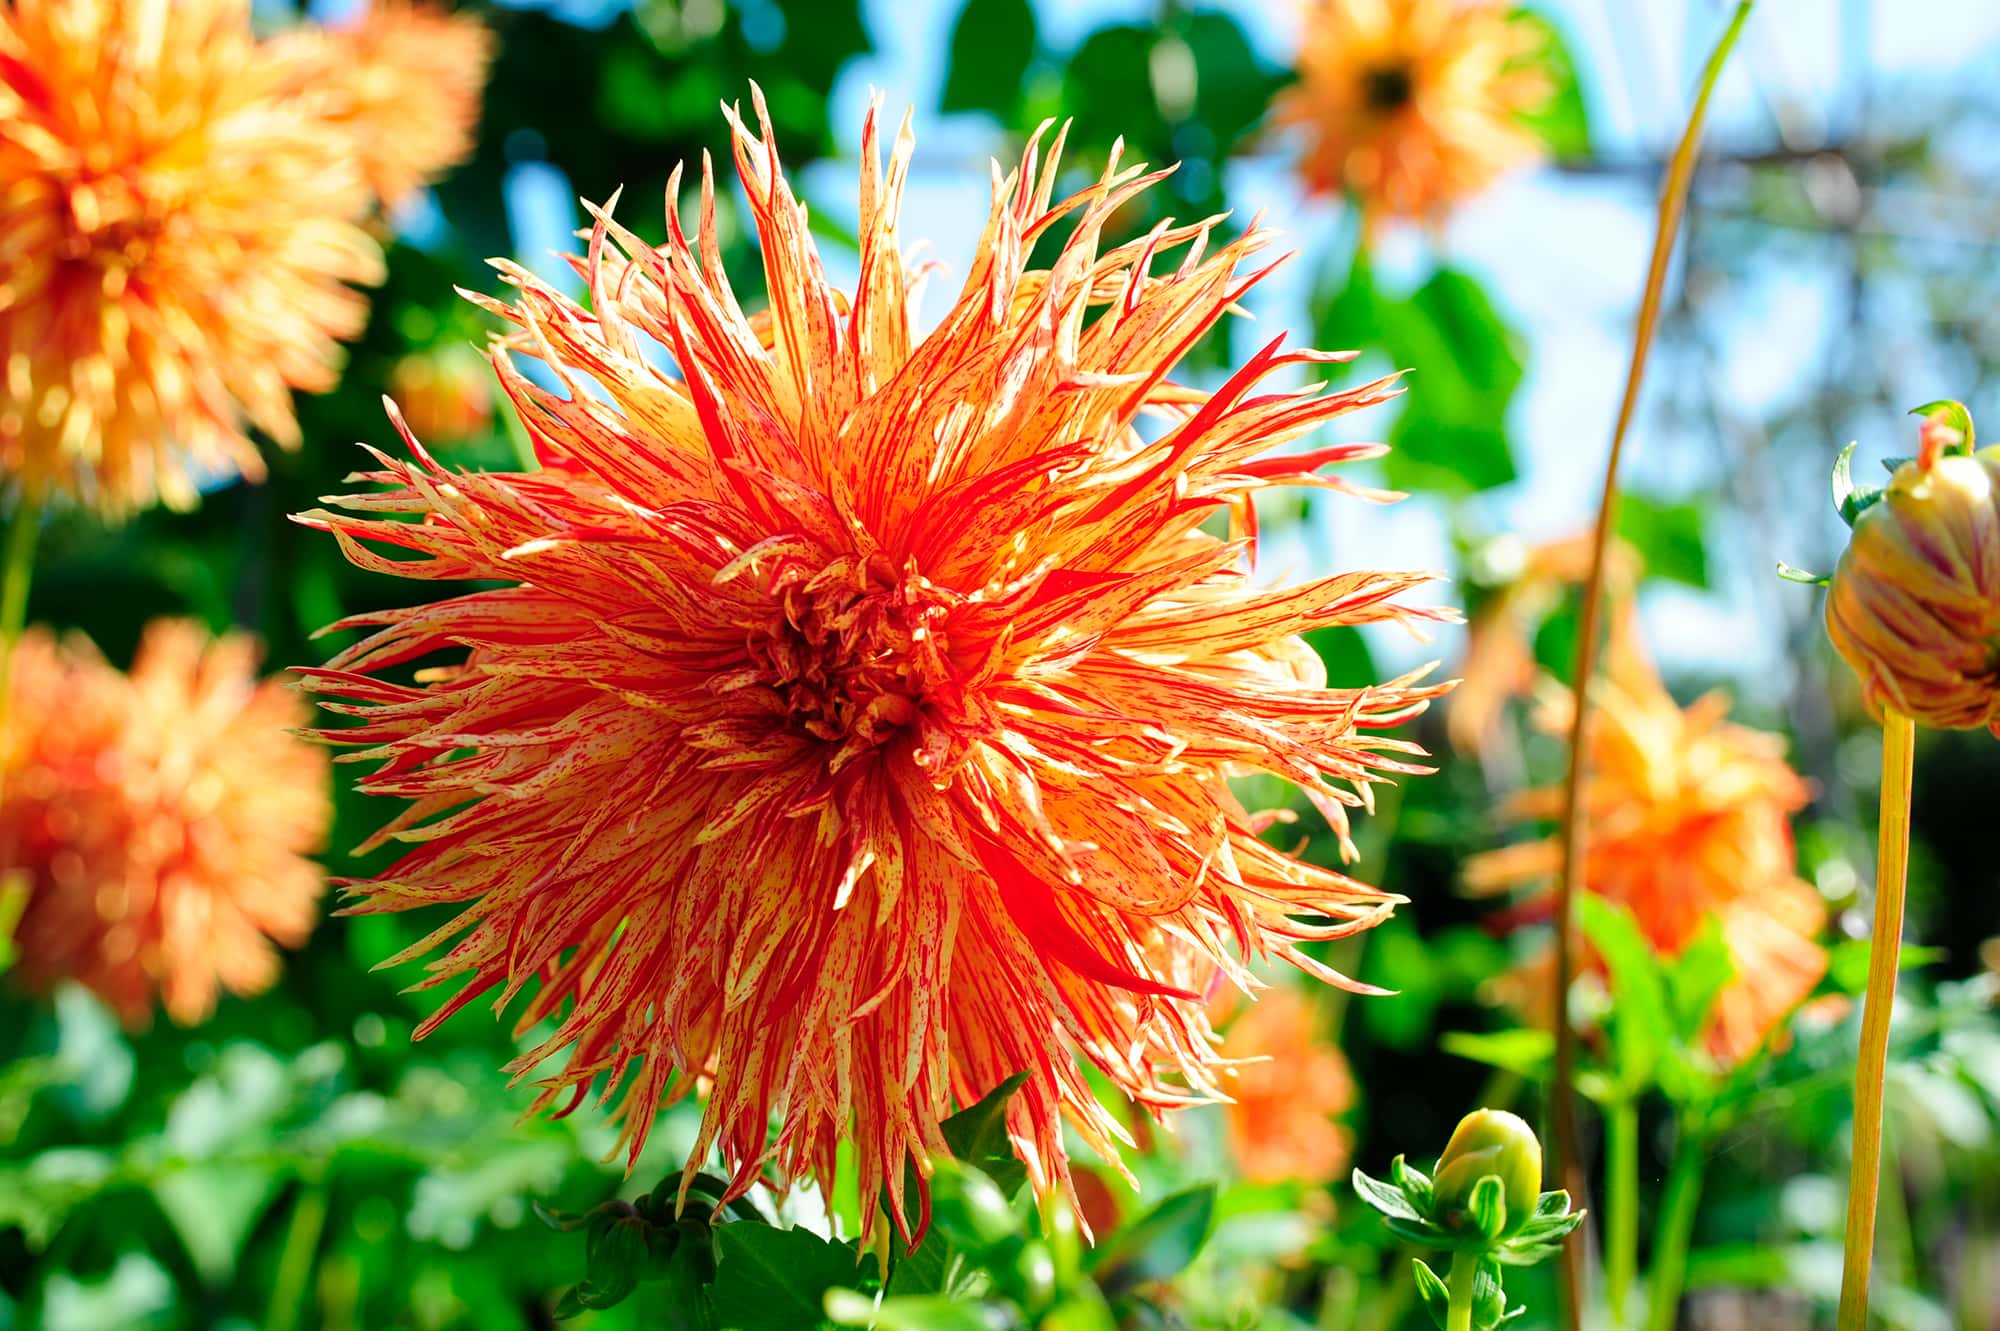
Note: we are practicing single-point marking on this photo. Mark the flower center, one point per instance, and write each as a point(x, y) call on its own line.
point(853, 651)
point(1388, 87)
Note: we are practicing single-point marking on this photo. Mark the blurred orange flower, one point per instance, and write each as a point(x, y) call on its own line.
point(1689, 818)
point(403, 81)
point(175, 242)
point(445, 394)
point(854, 727)
point(1284, 1098)
point(1499, 663)
point(163, 819)
point(1412, 105)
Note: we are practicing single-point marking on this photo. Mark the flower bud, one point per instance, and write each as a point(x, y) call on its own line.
point(1914, 606)
point(1489, 1142)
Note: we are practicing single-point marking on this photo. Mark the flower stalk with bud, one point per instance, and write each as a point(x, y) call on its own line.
point(1914, 608)
point(1484, 1205)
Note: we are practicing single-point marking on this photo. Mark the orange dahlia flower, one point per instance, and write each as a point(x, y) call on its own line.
point(1688, 818)
point(1286, 1082)
point(163, 819)
point(403, 81)
point(855, 727)
point(1412, 105)
point(175, 244)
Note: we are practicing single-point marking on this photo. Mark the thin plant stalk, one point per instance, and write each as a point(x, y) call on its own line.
point(1892, 862)
point(1673, 203)
point(295, 1260)
point(1674, 1230)
point(1461, 1285)
point(1621, 1206)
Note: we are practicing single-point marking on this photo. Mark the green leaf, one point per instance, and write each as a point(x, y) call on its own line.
point(1696, 976)
point(1488, 1205)
point(1159, 1245)
point(1414, 1183)
point(1489, 1296)
point(1847, 962)
point(213, 1208)
point(1435, 1294)
point(1668, 536)
point(1452, 434)
point(1344, 653)
point(1562, 122)
point(978, 1137)
point(1791, 574)
point(927, 1312)
point(1641, 1030)
point(992, 45)
point(1385, 1197)
point(1850, 500)
point(1525, 1052)
point(770, 1279)
point(1954, 415)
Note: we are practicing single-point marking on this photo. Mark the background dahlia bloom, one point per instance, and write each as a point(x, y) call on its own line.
point(175, 242)
point(1412, 105)
point(1689, 817)
point(1499, 662)
point(163, 819)
point(854, 728)
point(402, 81)
point(1286, 1082)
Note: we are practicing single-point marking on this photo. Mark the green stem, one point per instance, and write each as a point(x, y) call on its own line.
point(1864, 1180)
point(1675, 1229)
point(1464, 1274)
point(17, 567)
point(295, 1261)
point(15, 574)
point(1621, 1206)
point(1562, 1098)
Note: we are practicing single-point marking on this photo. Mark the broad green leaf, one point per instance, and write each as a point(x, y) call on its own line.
point(978, 1137)
point(212, 1208)
point(1344, 653)
point(1641, 1028)
point(1561, 122)
point(1847, 962)
point(1524, 1051)
point(992, 44)
point(1159, 1244)
point(1696, 976)
point(1668, 536)
point(770, 1279)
